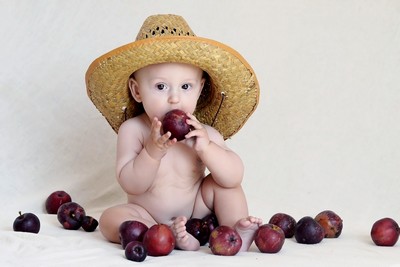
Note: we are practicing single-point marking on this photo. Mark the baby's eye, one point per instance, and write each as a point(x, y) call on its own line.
point(161, 86)
point(186, 86)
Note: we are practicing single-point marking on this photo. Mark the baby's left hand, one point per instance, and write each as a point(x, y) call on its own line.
point(201, 140)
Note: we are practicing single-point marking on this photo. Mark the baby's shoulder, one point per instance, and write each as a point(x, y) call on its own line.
point(135, 124)
point(214, 134)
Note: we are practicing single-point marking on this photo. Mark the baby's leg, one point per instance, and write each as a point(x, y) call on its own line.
point(184, 240)
point(230, 207)
point(112, 218)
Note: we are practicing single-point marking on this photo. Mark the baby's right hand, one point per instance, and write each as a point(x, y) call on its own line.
point(157, 145)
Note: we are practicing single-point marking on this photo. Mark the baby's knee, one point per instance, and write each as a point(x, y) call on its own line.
point(106, 216)
point(110, 220)
point(107, 228)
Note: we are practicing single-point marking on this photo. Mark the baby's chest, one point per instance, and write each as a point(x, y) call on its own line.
point(183, 161)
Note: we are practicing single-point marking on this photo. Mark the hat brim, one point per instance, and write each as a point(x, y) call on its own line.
point(234, 91)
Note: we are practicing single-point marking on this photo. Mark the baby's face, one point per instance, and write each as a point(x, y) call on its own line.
point(166, 86)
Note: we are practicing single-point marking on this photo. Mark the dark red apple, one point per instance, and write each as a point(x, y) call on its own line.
point(131, 231)
point(55, 200)
point(331, 222)
point(385, 232)
point(269, 238)
point(308, 231)
point(225, 241)
point(71, 215)
point(174, 122)
point(89, 224)
point(284, 221)
point(159, 240)
point(27, 222)
point(135, 251)
point(198, 229)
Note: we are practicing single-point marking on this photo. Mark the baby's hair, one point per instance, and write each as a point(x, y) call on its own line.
point(205, 95)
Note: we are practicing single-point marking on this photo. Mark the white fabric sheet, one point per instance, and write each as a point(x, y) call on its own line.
point(324, 136)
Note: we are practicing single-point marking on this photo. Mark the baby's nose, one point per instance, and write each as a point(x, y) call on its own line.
point(174, 97)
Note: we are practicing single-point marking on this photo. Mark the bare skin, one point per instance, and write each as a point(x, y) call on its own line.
point(166, 180)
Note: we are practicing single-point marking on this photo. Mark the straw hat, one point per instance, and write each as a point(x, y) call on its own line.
point(228, 99)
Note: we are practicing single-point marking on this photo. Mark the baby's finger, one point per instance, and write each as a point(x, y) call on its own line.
point(155, 126)
point(201, 132)
point(195, 124)
point(191, 116)
point(170, 142)
point(164, 138)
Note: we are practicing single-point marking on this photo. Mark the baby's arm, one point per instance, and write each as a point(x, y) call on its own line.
point(138, 160)
point(225, 165)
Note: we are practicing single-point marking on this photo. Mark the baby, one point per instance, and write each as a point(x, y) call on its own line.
point(167, 181)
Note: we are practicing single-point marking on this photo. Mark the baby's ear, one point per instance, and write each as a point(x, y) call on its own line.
point(203, 81)
point(134, 88)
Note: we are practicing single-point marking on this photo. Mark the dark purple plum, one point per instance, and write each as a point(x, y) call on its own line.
point(89, 224)
point(198, 229)
point(135, 251)
point(131, 231)
point(71, 215)
point(211, 221)
point(27, 222)
point(308, 231)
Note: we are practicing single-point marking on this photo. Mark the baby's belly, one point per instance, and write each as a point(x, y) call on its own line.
point(167, 204)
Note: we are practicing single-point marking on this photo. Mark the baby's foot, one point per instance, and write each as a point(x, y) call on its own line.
point(184, 240)
point(246, 228)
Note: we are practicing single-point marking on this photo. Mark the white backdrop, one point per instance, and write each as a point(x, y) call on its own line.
point(324, 136)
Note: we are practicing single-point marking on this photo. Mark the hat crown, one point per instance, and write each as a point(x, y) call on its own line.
point(164, 25)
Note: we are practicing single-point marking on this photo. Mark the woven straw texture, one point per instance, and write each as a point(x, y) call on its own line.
point(226, 103)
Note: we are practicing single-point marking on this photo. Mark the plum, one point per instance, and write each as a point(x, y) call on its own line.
point(89, 224)
point(135, 251)
point(198, 229)
point(385, 232)
point(211, 221)
point(308, 231)
point(225, 241)
point(331, 222)
point(27, 222)
point(71, 215)
point(159, 240)
point(131, 230)
point(284, 221)
point(174, 122)
point(269, 238)
point(55, 200)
